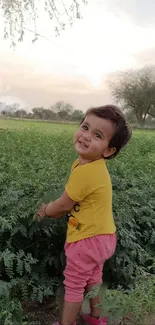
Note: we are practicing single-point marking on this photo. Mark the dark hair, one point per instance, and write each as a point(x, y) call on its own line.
point(123, 130)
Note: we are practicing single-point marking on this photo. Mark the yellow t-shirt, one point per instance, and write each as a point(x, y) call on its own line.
point(90, 186)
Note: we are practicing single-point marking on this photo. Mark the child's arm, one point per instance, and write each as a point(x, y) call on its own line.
point(57, 208)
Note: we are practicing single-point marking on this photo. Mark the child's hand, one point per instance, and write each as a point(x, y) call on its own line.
point(41, 213)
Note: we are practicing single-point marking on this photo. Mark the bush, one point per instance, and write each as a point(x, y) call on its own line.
point(135, 307)
point(11, 312)
point(134, 212)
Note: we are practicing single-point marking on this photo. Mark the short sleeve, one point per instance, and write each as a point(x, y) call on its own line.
point(77, 185)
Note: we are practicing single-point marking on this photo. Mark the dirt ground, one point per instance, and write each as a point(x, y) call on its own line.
point(43, 314)
point(48, 313)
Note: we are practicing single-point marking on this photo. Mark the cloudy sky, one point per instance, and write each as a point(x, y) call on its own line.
point(114, 35)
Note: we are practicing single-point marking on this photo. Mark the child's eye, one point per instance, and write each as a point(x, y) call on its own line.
point(85, 127)
point(98, 135)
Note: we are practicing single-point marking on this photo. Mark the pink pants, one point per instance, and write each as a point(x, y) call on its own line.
point(84, 264)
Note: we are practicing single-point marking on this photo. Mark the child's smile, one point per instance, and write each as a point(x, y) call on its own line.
point(83, 144)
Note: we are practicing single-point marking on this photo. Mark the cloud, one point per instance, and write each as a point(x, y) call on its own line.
point(32, 88)
point(146, 57)
point(138, 11)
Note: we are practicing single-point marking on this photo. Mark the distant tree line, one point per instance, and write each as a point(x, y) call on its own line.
point(60, 111)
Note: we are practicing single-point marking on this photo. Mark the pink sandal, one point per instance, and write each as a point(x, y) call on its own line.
point(94, 321)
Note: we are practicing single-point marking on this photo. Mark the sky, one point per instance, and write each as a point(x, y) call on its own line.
point(112, 36)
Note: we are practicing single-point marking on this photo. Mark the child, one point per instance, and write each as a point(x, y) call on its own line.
point(91, 235)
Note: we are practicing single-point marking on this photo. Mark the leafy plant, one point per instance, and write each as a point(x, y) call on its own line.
point(11, 312)
point(133, 306)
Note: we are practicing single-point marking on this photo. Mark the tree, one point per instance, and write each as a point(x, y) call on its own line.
point(20, 113)
point(38, 112)
point(49, 114)
point(135, 92)
point(43, 113)
point(77, 115)
point(2, 106)
point(10, 109)
point(18, 14)
point(4, 113)
point(131, 116)
point(62, 109)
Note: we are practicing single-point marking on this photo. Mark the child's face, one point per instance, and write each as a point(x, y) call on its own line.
point(92, 139)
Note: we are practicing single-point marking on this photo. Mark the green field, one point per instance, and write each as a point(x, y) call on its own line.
point(35, 160)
